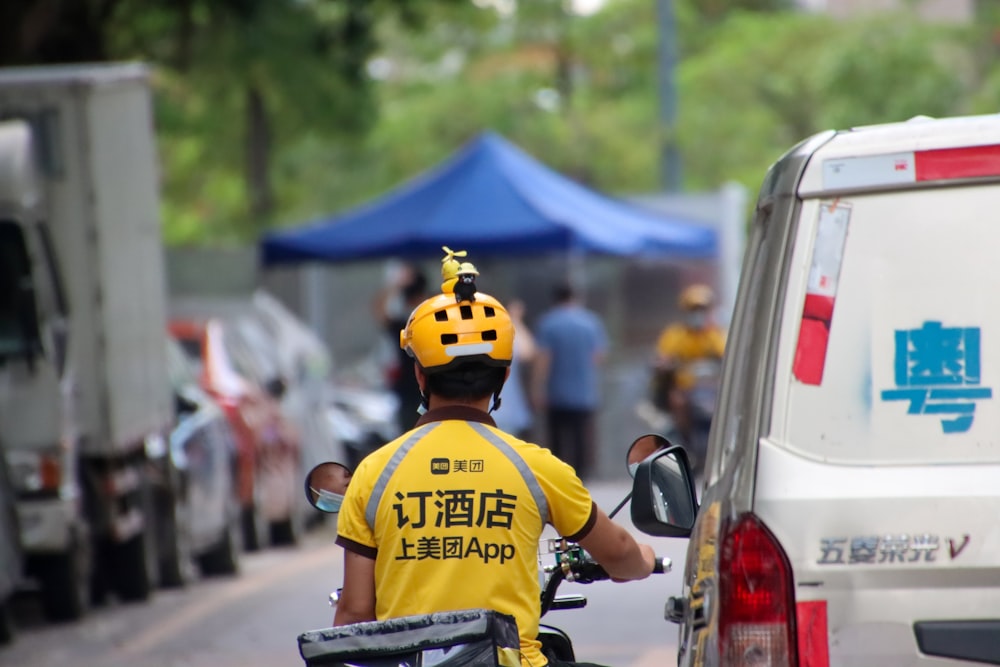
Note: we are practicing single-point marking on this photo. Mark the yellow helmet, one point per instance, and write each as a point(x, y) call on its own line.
point(443, 333)
point(696, 296)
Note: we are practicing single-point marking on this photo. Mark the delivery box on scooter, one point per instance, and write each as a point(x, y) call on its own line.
point(466, 638)
point(853, 462)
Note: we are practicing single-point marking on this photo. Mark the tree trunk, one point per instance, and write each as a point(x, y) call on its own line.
point(258, 157)
point(51, 31)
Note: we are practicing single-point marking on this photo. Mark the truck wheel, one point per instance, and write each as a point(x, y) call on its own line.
point(255, 535)
point(176, 568)
point(6, 623)
point(135, 567)
point(224, 557)
point(287, 531)
point(99, 576)
point(65, 580)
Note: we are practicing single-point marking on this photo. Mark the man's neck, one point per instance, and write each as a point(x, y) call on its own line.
point(438, 402)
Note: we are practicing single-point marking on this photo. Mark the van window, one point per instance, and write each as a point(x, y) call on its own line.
point(54, 274)
point(891, 339)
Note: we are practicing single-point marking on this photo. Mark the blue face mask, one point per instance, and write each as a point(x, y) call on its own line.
point(696, 320)
point(328, 501)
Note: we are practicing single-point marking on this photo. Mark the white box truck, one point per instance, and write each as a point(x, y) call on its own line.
point(85, 429)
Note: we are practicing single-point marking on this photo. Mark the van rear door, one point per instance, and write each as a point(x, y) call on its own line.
point(881, 471)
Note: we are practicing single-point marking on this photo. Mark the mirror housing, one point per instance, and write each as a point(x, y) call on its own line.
point(664, 501)
point(326, 484)
point(643, 447)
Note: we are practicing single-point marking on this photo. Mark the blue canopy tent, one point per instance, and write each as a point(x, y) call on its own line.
point(490, 198)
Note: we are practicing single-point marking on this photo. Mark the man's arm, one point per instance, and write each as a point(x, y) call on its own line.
point(617, 551)
point(357, 600)
point(540, 378)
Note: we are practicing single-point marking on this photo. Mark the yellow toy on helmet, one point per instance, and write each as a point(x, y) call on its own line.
point(696, 296)
point(459, 326)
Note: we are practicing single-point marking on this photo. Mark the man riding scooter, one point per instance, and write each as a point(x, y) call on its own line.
point(449, 515)
point(686, 371)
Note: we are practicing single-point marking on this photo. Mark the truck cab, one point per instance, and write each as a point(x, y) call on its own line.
point(37, 431)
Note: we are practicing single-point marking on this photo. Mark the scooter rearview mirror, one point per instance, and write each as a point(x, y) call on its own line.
point(326, 485)
point(641, 448)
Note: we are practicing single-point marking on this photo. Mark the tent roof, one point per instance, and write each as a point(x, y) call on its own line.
point(489, 198)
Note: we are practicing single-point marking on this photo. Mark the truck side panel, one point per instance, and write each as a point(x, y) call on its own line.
point(121, 162)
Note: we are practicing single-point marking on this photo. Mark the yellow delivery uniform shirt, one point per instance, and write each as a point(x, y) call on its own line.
point(686, 345)
point(452, 512)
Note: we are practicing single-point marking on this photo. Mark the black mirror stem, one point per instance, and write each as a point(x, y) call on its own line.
point(620, 505)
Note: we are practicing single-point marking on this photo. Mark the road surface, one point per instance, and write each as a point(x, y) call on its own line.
point(253, 620)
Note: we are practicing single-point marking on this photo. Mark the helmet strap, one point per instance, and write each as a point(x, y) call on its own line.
point(496, 397)
point(424, 403)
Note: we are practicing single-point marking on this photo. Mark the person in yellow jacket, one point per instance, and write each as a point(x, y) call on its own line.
point(688, 359)
point(449, 515)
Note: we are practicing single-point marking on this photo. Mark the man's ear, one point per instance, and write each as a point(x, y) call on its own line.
point(506, 374)
point(421, 378)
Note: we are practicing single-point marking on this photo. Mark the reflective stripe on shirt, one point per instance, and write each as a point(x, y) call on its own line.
point(383, 479)
point(541, 502)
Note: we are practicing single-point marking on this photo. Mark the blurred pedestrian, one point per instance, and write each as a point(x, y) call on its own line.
point(572, 345)
point(687, 370)
point(515, 414)
point(404, 291)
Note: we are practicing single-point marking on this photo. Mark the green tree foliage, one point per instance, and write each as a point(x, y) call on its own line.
point(754, 79)
point(275, 111)
point(236, 81)
point(770, 83)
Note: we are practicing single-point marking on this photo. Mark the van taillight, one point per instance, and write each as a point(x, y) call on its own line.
point(756, 598)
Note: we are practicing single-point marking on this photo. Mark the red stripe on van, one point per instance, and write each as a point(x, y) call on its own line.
point(814, 649)
point(814, 337)
point(818, 307)
point(952, 163)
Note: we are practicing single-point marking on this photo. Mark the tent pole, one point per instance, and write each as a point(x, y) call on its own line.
point(311, 276)
point(576, 271)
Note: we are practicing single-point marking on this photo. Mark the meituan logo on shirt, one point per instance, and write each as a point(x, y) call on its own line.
point(441, 466)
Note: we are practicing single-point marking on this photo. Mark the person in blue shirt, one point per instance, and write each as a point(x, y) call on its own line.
point(515, 415)
point(572, 344)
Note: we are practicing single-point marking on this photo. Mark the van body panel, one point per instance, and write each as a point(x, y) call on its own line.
point(884, 547)
point(894, 140)
point(912, 358)
point(886, 506)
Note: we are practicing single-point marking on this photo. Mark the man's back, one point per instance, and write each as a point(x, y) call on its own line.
point(573, 338)
point(452, 513)
point(683, 346)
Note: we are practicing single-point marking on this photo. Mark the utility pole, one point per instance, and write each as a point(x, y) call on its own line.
point(670, 158)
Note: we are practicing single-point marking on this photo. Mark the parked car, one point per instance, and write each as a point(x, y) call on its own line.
point(204, 452)
point(303, 361)
point(268, 450)
point(365, 418)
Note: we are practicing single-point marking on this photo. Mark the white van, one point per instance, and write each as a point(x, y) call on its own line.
point(851, 509)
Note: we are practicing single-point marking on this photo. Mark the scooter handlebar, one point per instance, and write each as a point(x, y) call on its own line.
point(662, 565)
point(588, 571)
